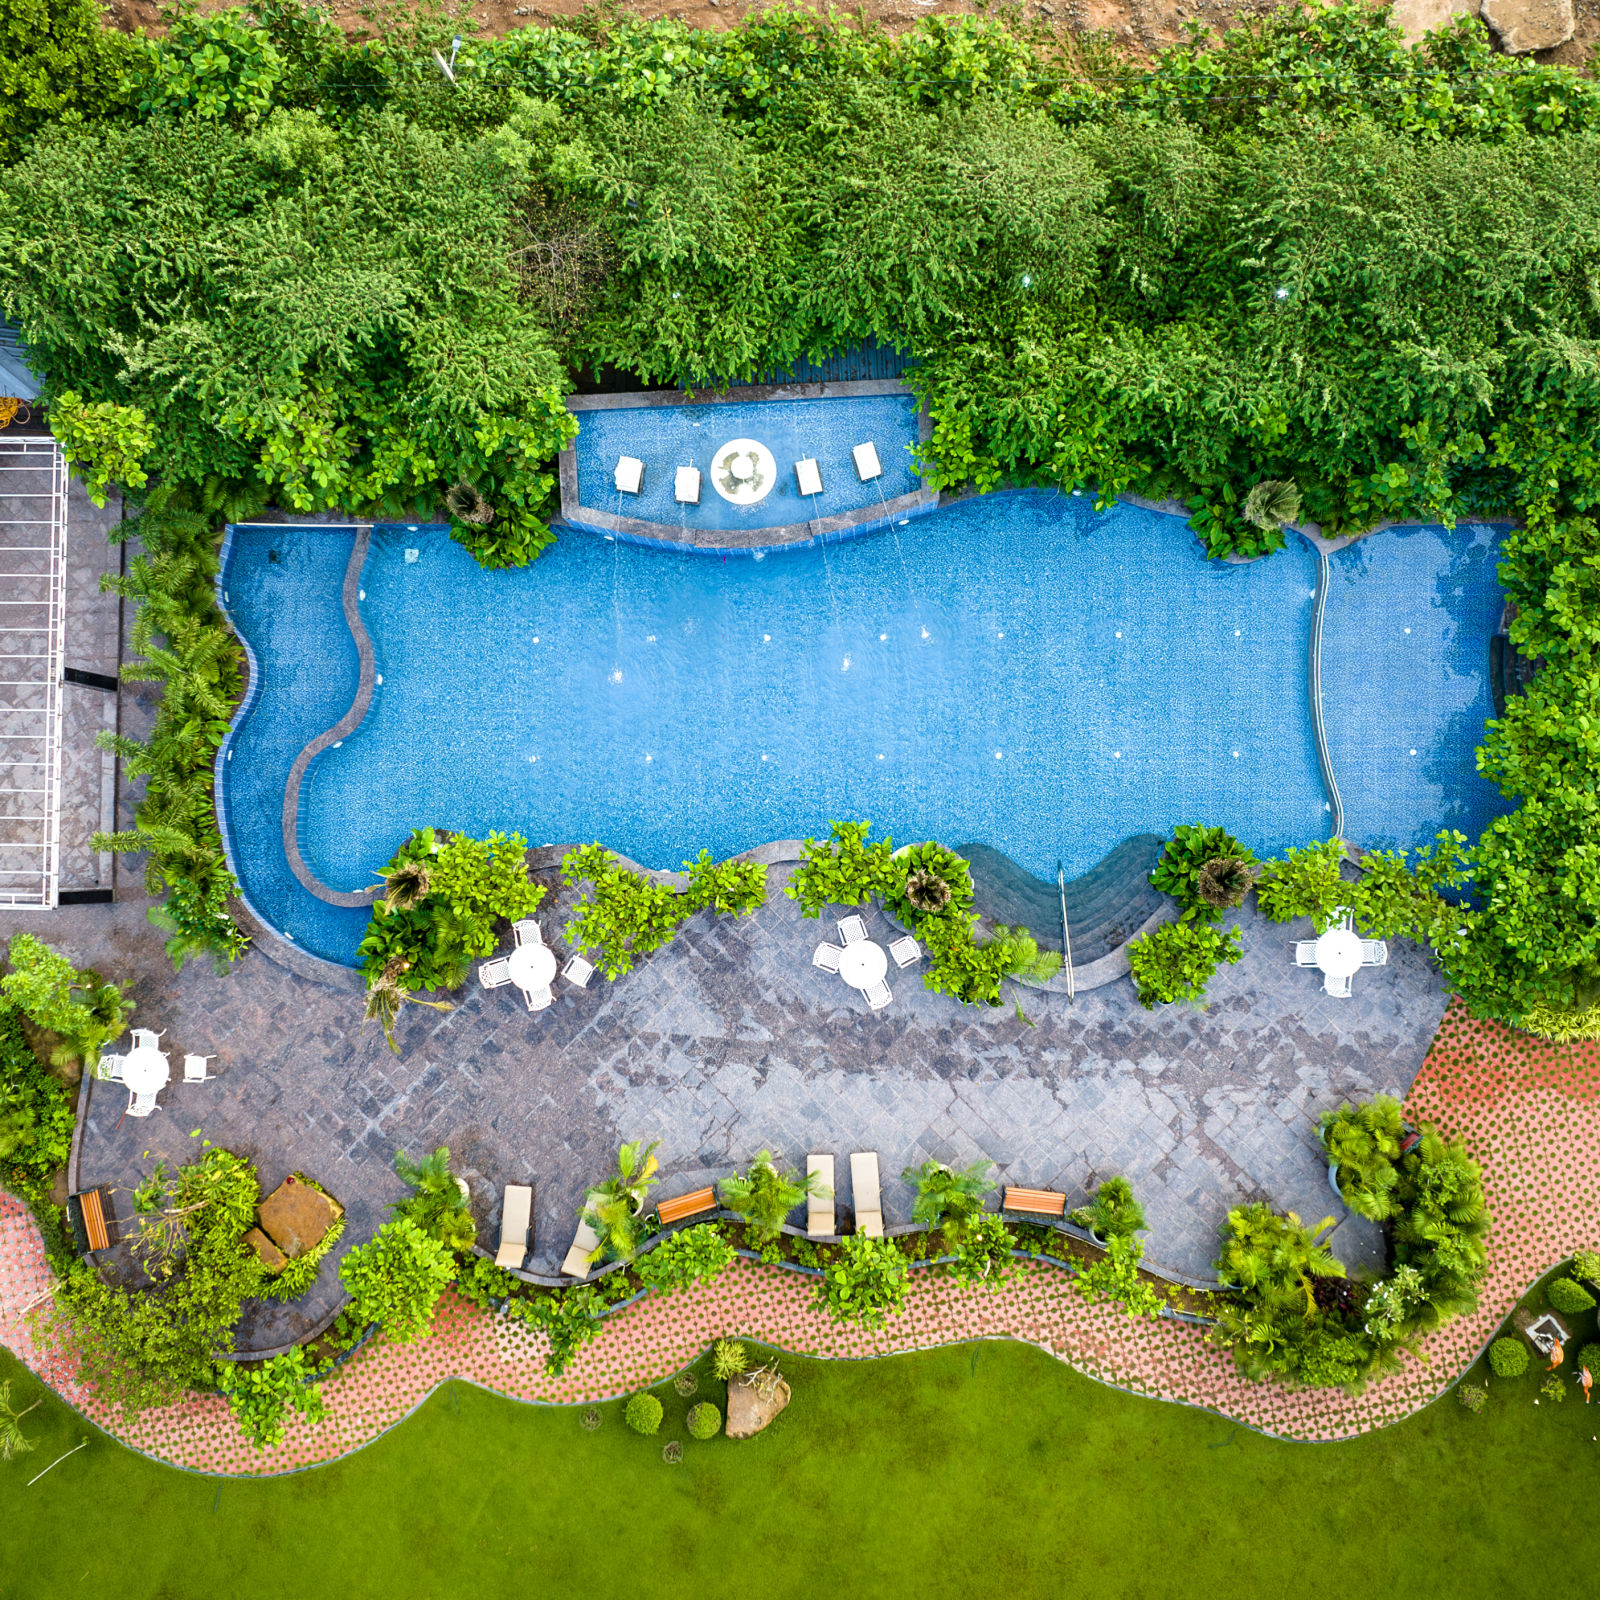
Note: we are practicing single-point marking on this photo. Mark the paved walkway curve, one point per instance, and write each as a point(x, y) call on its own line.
point(1528, 1111)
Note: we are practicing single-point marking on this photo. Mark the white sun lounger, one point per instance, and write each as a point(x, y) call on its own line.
point(827, 956)
point(578, 971)
point(819, 1207)
point(495, 974)
point(905, 951)
point(516, 1213)
point(584, 1244)
point(807, 476)
point(865, 457)
point(878, 995)
point(629, 475)
point(865, 1194)
point(686, 486)
point(852, 930)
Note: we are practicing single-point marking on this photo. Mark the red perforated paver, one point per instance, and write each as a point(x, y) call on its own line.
point(1530, 1112)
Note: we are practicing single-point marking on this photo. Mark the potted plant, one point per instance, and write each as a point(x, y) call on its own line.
point(764, 1196)
point(1363, 1145)
point(1114, 1213)
point(948, 1197)
point(614, 1205)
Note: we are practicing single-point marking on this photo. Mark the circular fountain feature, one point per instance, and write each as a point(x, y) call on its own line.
point(743, 471)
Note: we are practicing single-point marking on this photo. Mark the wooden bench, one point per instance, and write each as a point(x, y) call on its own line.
point(1036, 1202)
point(92, 1210)
point(687, 1205)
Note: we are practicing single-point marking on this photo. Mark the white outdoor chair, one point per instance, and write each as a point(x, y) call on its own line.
point(1305, 953)
point(526, 932)
point(1338, 987)
point(194, 1069)
point(578, 971)
point(1374, 953)
point(878, 995)
point(852, 930)
point(905, 951)
point(538, 999)
point(144, 1039)
point(495, 974)
point(827, 956)
point(109, 1069)
point(141, 1105)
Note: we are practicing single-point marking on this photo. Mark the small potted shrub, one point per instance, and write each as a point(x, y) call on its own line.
point(705, 1421)
point(643, 1413)
point(1114, 1213)
point(1508, 1358)
point(1363, 1146)
point(1206, 870)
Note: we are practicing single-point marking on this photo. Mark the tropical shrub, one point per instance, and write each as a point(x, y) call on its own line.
point(845, 871)
point(927, 880)
point(396, 1278)
point(1569, 1296)
point(1363, 1145)
point(764, 1196)
point(1508, 1357)
point(1395, 898)
point(729, 1359)
point(731, 887)
point(1176, 960)
point(36, 1110)
point(296, 1276)
point(1115, 1276)
point(697, 1255)
point(705, 1421)
point(58, 63)
point(1205, 869)
point(643, 1413)
point(1589, 1361)
point(569, 1319)
point(262, 1393)
point(865, 1284)
point(436, 1203)
point(626, 914)
point(1586, 1265)
point(1554, 1388)
point(949, 1198)
point(1114, 1212)
point(107, 443)
point(1474, 1396)
point(143, 1347)
point(80, 1008)
point(614, 1208)
point(1305, 883)
point(983, 1253)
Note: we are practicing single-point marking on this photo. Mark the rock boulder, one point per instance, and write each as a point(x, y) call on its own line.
point(295, 1216)
point(749, 1410)
point(1414, 18)
point(272, 1258)
point(1524, 25)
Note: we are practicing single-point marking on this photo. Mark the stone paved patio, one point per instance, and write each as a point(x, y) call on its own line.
point(730, 1040)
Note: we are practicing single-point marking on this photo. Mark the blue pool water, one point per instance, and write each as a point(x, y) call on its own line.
point(668, 437)
point(1017, 670)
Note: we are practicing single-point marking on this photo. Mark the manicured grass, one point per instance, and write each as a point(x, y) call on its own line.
point(977, 1470)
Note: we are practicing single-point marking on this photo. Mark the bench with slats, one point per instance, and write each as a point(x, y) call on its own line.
point(91, 1211)
point(1036, 1202)
point(687, 1205)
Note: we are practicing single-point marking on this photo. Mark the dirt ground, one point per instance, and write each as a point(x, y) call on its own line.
point(1140, 26)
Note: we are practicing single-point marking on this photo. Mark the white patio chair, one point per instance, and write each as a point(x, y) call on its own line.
point(827, 956)
point(878, 995)
point(578, 971)
point(109, 1069)
point(526, 932)
point(538, 999)
point(1374, 953)
point(141, 1105)
point(1305, 953)
point(144, 1039)
point(905, 951)
point(852, 930)
point(194, 1069)
point(495, 974)
point(1338, 987)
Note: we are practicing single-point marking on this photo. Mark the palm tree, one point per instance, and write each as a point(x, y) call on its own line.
point(764, 1196)
point(1272, 504)
point(1224, 881)
point(1270, 1257)
point(385, 998)
point(405, 885)
point(1114, 1212)
point(438, 1205)
point(13, 1442)
point(927, 891)
point(467, 505)
point(614, 1206)
point(948, 1196)
point(1363, 1145)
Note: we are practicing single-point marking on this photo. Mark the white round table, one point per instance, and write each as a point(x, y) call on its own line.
point(863, 963)
point(1339, 953)
point(532, 966)
point(145, 1071)
point(743, 471)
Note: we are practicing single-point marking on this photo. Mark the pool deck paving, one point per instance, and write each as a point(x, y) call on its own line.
point(729, 1041)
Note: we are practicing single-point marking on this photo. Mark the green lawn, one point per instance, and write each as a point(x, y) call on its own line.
point(973, 1471)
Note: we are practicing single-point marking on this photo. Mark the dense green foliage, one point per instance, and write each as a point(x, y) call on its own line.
point(262, 1393)
point(865, 1283)
point(1569, 1297)
point(1509, 1357)
point(58, 63)
point(1115, 1277)
point(704, 1421)
point(396, 1278)
point(949, 1198)
point(698, 1255)
point(765, 1195)
point(1114, 1212)
point(36, 1110)
point(845, 870)
point(83, 1011)
point(643, 1413)
point(436, 1203)
point(1176, 960)
point(141, 1347)
point(1363, 1145)
point(1205, 869)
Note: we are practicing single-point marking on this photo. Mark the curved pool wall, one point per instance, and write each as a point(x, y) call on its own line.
point(1017, 670)
point(665, 430)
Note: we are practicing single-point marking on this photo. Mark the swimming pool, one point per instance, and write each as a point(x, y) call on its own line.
point(1017, 670)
